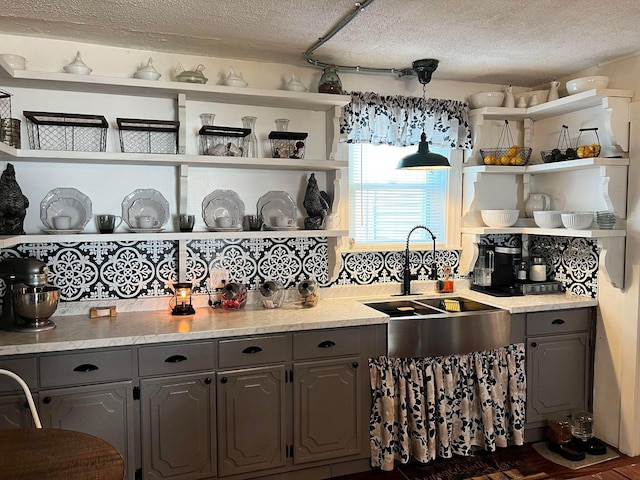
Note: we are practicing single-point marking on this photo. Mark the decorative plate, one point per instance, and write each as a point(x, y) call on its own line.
point(53, 231)
point(222, 229)
point(146, 230)
point(145, 201)
point(284, 229)
point(274, 203)
point(69, 202)
point(223, 203)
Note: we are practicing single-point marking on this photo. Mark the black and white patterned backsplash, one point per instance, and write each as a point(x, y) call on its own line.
point(126, 270)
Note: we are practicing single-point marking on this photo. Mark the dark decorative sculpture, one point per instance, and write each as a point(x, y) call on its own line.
point(13, 204)
point(317, 204)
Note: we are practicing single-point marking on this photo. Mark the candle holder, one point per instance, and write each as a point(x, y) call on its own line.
point(182, 299)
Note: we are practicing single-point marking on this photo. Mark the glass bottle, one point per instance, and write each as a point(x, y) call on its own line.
point(250, 141)
point(282, 124)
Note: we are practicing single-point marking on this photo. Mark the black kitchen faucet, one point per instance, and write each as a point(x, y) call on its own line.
point(408, 276)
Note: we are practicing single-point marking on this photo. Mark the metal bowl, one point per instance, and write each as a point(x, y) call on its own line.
point(36, 303)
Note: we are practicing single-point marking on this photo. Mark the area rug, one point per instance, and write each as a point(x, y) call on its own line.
point(543, 450)
point(503, 465)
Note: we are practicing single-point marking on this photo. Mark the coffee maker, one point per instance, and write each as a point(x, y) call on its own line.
point(28, 300)
point(503, 275)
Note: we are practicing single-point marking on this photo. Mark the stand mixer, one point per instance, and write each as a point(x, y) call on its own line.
point(28, 301)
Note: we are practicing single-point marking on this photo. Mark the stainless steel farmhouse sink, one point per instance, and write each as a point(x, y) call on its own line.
point(428, 327)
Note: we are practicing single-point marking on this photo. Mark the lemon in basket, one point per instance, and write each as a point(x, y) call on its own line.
point(506, 160)
point(491, 160)
point(513, 151)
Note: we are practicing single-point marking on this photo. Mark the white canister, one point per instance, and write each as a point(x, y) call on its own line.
point(538, 270)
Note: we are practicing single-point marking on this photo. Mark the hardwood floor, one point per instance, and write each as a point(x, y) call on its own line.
point(602, 471)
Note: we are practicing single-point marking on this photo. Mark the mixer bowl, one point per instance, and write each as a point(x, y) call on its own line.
point(36, 304)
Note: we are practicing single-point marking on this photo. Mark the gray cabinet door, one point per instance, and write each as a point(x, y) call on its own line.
point(104, 411)
point(557, 375)
point(327, 409)
point(251, 419)
point(178, 427)
point(15, 412)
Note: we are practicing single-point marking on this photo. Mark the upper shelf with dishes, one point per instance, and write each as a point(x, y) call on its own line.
point(170, 89)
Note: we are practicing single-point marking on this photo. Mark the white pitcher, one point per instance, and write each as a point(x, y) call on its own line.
point(553, 91)
point(537, 202)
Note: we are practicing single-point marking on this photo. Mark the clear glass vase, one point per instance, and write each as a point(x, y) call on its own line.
point(251, 141)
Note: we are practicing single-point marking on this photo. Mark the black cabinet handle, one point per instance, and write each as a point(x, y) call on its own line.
point(175, 359)
point(326, 344)
point(85, 367)
point(557, 321)
point(46, 400)
point(223, 380)
point(252, 349)
point(207, 381)
point(534, 344)
point(355, 365)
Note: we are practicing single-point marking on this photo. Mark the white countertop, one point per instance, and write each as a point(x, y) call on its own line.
point(75, 332)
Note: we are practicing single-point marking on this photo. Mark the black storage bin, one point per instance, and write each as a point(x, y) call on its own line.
point(66, 131)
point(148, 136)
point(223, 141)
point(287, 144)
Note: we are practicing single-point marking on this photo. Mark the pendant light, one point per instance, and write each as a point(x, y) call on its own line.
point(423, 159)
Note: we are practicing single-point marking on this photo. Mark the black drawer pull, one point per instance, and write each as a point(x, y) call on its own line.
point(207, 381)
point(557, 321)
point(224, 380)
point(355, 365)
point(327, 344)
point(175, 359)
point(46, 400)
point(85, 367)
point(252, 349)
point(534, 344)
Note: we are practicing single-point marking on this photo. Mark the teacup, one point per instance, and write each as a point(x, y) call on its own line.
point(224, 222)
point(254, 222)
point(147, 221)
point(107, 222)
point(62, 222)
point(284, 221)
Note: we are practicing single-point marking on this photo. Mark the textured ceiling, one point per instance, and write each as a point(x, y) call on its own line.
point(491, 41)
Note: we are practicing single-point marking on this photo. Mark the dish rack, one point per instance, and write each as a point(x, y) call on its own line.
point(148, 136)
point(223, 141)
point(66, 131)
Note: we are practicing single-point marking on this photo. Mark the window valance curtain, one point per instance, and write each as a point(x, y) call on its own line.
point(431, 407)
point(398, 120)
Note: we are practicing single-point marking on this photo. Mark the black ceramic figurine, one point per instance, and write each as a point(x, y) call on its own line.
point(13, 204)
point(316, 203)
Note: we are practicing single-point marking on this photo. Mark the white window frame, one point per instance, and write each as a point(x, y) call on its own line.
point(453, 220)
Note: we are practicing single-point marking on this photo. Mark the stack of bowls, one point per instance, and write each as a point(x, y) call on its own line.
point(606, 220)
point(10, 132)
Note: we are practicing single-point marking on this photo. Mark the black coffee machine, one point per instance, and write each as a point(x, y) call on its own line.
point(503, 277)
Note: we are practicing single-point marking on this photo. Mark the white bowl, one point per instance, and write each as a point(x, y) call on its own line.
point(499, 218)
point(146, 75)
point(17, 62)
point(77, 69)
point(486, 99)
point(586, 83)
point(577, 220)
point(548, 218)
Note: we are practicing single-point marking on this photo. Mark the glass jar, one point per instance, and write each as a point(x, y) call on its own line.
point(582, 425)
point(521, 273)
point(250, 141)
point(538, 270)
point(559, 430)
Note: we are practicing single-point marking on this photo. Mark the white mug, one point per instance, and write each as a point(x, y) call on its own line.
point(62, 222)
point(284, 221)
point(147, 221)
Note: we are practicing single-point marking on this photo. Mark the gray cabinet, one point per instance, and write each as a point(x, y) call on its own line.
point(177, 410)
point(89, 392)
point(14, 409)
point(559, 365)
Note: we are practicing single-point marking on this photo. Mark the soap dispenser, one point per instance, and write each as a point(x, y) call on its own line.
point(445, 285)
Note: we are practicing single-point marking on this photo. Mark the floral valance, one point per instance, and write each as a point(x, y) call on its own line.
point(398, 120)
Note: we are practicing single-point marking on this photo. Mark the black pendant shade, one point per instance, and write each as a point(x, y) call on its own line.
point(423, 159)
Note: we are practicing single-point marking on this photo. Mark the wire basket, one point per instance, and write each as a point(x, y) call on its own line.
point(148, 136)
point(66, 131)
point(223, 141)
point(287, 144)
point(588, 150)
point(563, 150)
point(5, 104)
point(507, 152)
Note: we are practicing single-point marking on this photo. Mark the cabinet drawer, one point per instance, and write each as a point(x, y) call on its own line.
point(25, 367)
point(253, 351)
point(175, 358)
point(86, 367)
point(558, 321)
point(326, 343)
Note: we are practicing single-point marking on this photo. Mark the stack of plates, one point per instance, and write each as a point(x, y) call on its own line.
point(223, 203)
point(145, 202)
point(606, 220)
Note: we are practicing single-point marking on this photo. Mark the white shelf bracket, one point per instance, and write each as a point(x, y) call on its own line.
point(333, 131)
point(182, 118)
point(612, 255)
point(616, 122)
point(469, 253)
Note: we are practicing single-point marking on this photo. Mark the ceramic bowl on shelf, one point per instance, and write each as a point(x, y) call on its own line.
point(583, 84)
point(17, 62)
point(577, 220)
point(499, 218)
point(486, 99)
point(548, 218)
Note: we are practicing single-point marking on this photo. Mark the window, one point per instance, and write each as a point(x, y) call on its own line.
point(385, 203)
